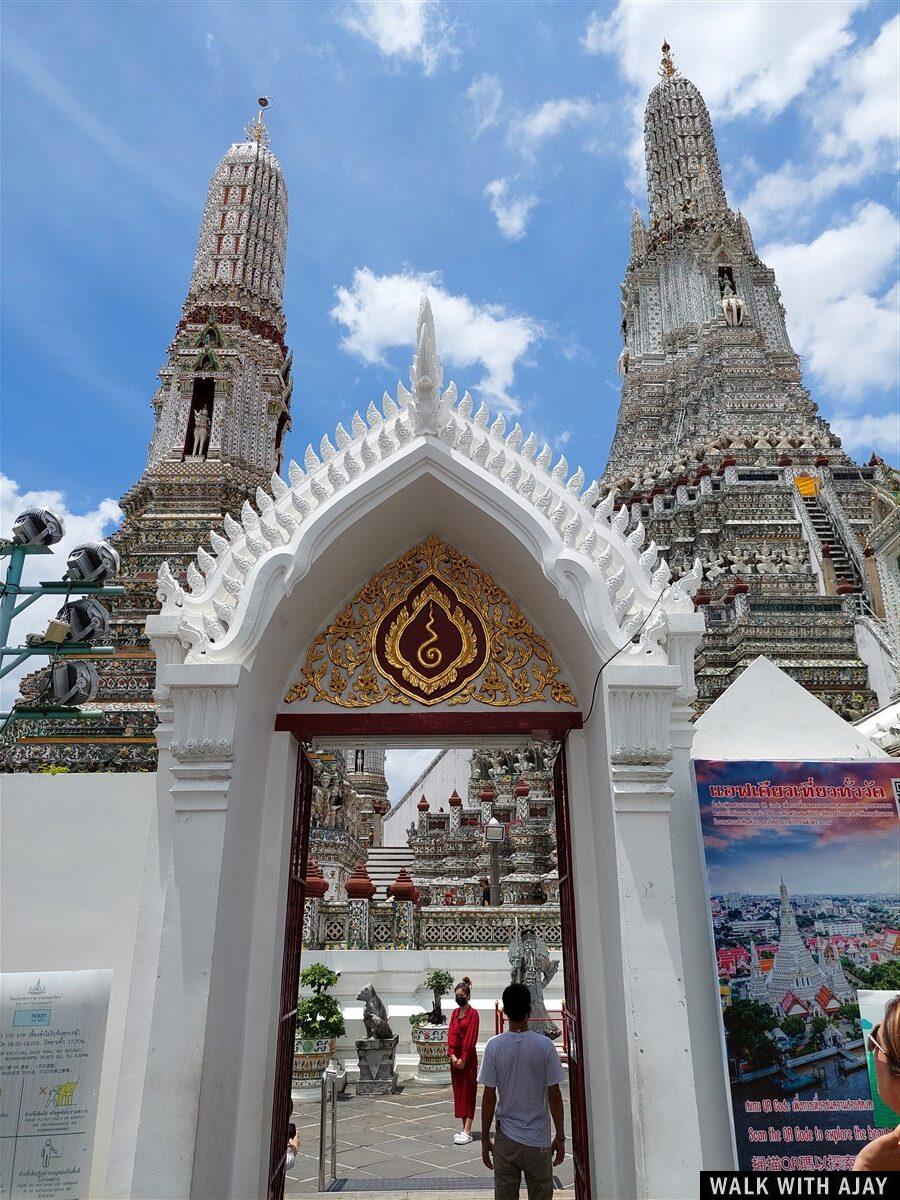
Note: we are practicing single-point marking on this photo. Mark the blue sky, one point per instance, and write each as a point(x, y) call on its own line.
point(489, 150)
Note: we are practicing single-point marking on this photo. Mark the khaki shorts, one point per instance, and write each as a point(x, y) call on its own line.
point(512, 1160)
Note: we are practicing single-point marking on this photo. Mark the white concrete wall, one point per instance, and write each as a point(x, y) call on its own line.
point(452, 771)
point(398, 976)
point(72, 862)
point(882, 679)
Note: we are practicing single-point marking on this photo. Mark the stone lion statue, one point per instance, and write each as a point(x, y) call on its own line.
point(375, 1016)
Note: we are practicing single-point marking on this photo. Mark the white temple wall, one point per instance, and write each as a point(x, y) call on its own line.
point(73, 851)
point(877, 657)
point(451, 772)
point(398, 975)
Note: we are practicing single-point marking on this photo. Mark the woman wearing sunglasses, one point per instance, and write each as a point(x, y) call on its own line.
point(883, 1153)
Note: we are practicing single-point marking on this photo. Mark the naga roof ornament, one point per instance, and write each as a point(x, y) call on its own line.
point(256, 131)
point(667, 67)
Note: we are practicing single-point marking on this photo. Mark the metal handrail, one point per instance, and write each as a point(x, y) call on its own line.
point(328, 1123)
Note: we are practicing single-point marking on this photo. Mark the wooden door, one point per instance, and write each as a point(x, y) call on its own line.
point(290, 973)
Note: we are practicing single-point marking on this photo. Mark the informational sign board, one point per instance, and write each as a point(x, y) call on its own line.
point(51, 1052)
point(802, 862)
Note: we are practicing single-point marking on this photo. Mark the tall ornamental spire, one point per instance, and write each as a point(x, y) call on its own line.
point(221, 414)
point(715, 423)
point(229, 368)
point(680, 147)
point(241, 249)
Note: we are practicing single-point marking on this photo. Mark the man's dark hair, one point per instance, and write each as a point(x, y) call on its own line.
point(517, 1001)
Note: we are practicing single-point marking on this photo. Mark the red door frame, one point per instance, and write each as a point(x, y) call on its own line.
point(538, 725)
point(290, 972)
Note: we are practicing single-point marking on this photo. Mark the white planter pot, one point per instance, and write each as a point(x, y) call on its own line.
point(311, 1057)
point(430, 1042)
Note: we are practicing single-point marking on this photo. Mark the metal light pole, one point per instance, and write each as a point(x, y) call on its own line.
point(494, 835)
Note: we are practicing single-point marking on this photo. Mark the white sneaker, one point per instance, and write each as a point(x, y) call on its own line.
point(463, 1139)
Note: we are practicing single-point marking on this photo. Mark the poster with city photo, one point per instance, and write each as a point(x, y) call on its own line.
point(802, 868)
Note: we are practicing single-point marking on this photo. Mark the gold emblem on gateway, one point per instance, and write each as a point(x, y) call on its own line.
point(428, 627)
point(429, 642)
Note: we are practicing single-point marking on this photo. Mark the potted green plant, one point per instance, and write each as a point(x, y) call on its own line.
point(320, 1023)
point(429, 1032)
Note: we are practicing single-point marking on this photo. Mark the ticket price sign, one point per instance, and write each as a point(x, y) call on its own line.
point(51, 1052)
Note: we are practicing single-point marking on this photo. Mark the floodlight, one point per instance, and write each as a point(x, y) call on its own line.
point(87, 618)
point(37, 527)
point(494, 831)
point(92, 562)
point(71, 684)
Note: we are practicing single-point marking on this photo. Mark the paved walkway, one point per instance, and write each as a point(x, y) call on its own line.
point(400, 1144)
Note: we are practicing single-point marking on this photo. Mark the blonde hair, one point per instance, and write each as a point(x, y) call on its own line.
point(890, 1034)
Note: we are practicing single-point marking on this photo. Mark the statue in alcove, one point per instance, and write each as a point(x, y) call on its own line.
point(732, 305)
point(202, 424)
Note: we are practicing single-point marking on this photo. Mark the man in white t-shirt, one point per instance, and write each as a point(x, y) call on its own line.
point(524, 1068)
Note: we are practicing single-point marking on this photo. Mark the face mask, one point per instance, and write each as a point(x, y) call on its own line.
point(461, 1000)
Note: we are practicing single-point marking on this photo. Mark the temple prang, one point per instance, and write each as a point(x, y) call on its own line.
point(719, 448)
point(221, 412)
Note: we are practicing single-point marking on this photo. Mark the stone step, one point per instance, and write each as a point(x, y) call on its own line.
point(384, 863)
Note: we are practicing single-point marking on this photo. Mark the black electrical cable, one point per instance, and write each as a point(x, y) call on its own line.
point(604, 665)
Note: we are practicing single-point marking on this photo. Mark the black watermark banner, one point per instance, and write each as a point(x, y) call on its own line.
point(796, 1183)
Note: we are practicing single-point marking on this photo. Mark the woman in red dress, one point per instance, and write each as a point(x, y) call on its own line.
point(462, 1042)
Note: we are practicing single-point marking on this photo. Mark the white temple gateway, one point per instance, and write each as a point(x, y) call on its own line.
point(428, 576)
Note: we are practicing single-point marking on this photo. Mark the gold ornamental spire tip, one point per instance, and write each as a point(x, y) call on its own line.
point(256, 131)
point(667, 68)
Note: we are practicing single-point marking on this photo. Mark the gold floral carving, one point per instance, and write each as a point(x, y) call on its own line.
point(499, 659)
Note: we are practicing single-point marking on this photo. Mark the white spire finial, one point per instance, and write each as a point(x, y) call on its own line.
point(426, 367)
point(426, 376)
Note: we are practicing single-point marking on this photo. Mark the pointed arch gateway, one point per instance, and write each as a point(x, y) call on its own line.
point(432, 630)
point(235, 637)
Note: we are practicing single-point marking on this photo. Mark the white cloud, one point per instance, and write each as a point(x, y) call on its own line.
point(862, 109)
point(485, 95)
point(791, 190)
point(743, 55)
point(411, 30)
point(862, 434)
point(838, 315)
point(379, 312)
point(512, 213)
point(529, 130)
point(856, 121)
point(80, 527)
